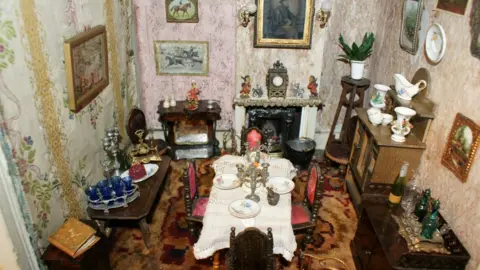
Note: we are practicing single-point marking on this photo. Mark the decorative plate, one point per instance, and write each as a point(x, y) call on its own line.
point(244, 208)
point(248, 190)
point(435, 43)
point(226, 181)
point(281, 185)
point(150, 168)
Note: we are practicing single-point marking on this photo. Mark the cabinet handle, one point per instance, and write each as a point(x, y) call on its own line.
point(368, 252)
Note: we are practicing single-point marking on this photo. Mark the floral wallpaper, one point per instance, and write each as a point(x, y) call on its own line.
point(54, 151)
point(217, 26)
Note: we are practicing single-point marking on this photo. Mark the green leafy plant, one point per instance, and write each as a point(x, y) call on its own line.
point(357, 53)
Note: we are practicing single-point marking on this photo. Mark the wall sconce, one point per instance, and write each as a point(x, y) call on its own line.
point(324, 13)
point(245, 12)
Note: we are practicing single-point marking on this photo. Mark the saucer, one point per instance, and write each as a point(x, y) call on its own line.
point(281, 185)
point(226, 181)
point(244, 208)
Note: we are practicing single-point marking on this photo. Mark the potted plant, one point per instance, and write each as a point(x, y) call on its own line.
point(356, 55)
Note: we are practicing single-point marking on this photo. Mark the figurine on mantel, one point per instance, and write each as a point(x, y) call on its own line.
point(312, 86)
point(246, 86)
point(192, 97)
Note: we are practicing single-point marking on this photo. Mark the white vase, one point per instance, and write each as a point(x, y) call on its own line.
point(356, 71)
point(173, 102)
point(401, 129)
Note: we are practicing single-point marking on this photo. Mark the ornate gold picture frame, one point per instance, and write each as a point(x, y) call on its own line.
point(284, 24)
point(86, 66)
point(461, 146)
point(411, 21)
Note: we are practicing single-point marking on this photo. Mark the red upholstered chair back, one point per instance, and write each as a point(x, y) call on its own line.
point(190, 186)
point(313, 191)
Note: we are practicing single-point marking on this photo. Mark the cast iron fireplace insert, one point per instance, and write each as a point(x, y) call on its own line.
point(277, 123)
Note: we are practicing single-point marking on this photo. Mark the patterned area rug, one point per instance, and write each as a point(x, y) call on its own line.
point(172, 246)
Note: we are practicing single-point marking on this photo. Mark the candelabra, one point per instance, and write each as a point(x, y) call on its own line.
point(110, 144)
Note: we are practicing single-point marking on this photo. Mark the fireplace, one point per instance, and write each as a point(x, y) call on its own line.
point(277, 123)
point(278, 118)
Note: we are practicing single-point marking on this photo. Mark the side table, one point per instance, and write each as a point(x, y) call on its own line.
point(96, 258)
point(138, 210)
point(171, 117)
point(377, 245)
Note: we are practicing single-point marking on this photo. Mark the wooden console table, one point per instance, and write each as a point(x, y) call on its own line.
point(170, 116)
point(139, 209)
point(377, 245)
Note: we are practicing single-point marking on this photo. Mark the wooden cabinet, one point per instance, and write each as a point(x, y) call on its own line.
point(377, 245)
point(375, 159)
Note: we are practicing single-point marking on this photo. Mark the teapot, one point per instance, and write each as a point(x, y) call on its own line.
point(405, 89)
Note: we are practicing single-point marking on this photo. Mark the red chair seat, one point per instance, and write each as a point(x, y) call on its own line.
point(200, 207)
point(300, 214)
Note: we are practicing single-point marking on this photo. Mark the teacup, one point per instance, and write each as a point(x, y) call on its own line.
point(373, 111)
point(375, 119)
point(387, 119)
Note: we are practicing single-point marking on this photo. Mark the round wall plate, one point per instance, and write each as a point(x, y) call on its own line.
point(435, 43)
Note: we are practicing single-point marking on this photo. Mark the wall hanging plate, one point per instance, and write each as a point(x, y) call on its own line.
point(435, 43)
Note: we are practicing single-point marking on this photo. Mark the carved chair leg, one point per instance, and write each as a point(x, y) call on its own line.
point(308, 237)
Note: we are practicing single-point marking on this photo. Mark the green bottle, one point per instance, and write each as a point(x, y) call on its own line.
point(430, 223)
point(398, 187)
point(421, 209)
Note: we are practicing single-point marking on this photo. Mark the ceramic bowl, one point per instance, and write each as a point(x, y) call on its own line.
point(375, 119)
point(387, 119)
point(373, 111)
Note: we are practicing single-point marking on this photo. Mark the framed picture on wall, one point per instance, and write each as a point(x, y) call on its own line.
point(411, 19)
point(182, 11)
point(453, 6)
point(174, 57)
point(86, 66)
point(461, 146)
point(475, 29)
point(284, 24)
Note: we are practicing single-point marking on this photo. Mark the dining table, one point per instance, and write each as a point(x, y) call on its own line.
point(218, 219)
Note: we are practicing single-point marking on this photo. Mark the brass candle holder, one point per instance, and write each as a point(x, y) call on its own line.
point(142, 152)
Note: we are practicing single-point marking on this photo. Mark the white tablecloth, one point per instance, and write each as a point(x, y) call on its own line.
point(217, 221)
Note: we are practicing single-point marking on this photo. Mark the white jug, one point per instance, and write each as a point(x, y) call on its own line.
point(405, 89)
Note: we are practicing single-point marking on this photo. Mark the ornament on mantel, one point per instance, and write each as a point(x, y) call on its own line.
point(257, 92)
point(312, 86)
point(297, 91)
point(246, 86)
point(166, 103)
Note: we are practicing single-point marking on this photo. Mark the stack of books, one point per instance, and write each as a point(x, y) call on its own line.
point(74, 237)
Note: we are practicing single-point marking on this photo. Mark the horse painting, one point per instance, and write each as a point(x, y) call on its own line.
point(182, 11)
point(183, 8)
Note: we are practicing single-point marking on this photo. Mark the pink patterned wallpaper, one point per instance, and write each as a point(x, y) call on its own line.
point(217, 26)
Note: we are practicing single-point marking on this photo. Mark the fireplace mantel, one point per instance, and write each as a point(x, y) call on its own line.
point(277, 102)
point(309, 107)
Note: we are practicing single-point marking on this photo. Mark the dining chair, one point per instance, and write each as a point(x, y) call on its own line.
point(251, 250)
point(195, 205)
point(304, 214)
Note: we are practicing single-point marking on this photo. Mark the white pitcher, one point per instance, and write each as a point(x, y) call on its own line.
point(405, 89)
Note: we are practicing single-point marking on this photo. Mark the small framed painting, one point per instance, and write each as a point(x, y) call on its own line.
point(411, 20)
point(86, 64)
point(181, 57)
point(284, 24)
point(461, 146)
point(453, 6)
point(182, 11)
